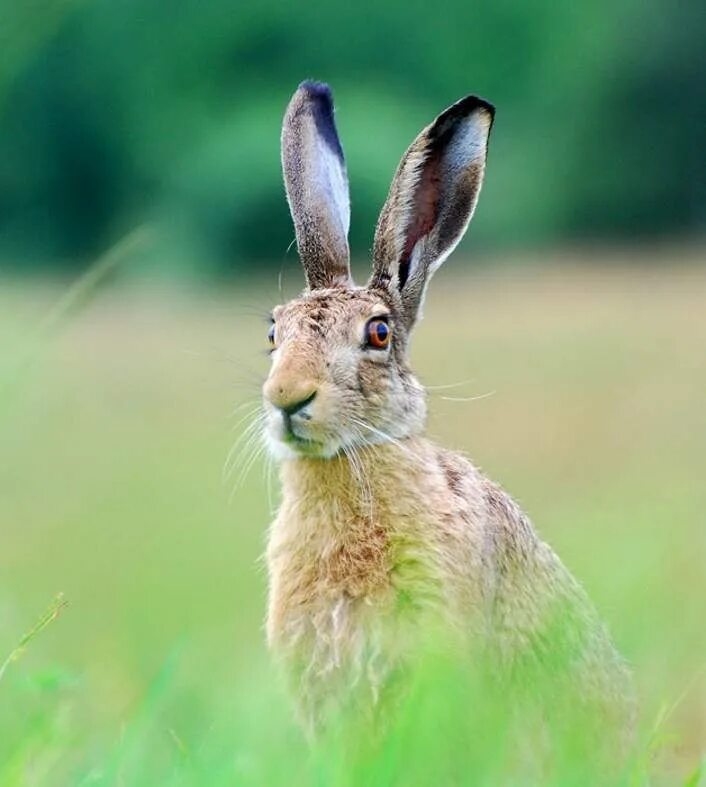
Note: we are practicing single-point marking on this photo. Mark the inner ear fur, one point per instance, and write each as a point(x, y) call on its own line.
point(316, 183)
point(431, 200)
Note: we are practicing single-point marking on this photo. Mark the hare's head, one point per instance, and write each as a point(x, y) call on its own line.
point(340, 375)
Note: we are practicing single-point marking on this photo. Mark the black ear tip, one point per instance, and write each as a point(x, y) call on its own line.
point(482, 103)
point(316, 100)
point(316, 91)
point(470, 104)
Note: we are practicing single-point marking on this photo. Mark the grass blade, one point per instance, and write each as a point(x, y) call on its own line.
point(51, 613)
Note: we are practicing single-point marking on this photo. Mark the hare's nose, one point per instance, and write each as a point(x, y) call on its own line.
point(294, 407)
point(289, 399)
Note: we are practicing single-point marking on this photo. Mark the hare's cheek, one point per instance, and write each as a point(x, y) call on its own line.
point(373, 378)
point(324, 409)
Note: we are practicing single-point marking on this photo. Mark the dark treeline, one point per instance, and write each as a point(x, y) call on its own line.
point(116, 114)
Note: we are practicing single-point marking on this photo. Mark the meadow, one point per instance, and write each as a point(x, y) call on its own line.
point(578, 384)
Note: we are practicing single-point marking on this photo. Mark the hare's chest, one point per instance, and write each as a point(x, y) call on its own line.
point(325, 593)
point(339, 639)
point(338, 650)
point(343, 612)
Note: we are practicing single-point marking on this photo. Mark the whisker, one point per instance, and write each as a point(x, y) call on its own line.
point(358, 471)
point(269, 481)
point(251, 385)
point(247, 309)
point(448, 386)
point(242, 443)
point(252, 414)
point(245, 469)
point(254, 404)
point(366, 489)
point(253, 450)
point(384, 435)
point(467, 398)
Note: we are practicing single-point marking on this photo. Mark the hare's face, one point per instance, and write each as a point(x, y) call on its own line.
point(339, 374)
point(339, 378)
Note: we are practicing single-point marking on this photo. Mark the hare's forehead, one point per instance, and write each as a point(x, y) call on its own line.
point(329, 312)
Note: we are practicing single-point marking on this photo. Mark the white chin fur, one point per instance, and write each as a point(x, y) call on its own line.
point(281, 449)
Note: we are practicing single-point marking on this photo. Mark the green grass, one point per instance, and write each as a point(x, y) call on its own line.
point(111, 492)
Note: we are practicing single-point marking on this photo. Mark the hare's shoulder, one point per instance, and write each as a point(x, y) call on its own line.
point(464, 481)
point(500, 529)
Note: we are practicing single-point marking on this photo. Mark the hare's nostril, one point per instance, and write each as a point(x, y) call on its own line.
point(294, 407)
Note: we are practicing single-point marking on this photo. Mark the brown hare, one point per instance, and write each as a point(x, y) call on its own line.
point(381, 535)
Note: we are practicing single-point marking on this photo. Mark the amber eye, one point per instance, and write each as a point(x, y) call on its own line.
point(378, 333)
point(271, 335)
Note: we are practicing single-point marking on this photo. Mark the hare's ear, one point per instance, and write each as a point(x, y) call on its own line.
point(431, 200)
point(317, 186)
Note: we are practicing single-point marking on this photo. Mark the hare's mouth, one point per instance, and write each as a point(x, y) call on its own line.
point(305, 444)
point(295, 445)
point(291, 435)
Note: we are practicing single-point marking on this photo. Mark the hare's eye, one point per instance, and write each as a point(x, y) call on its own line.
point(271, 335)
point(377, 333)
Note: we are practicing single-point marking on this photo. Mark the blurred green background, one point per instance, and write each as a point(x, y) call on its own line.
point(169, 112)
point(139, 148)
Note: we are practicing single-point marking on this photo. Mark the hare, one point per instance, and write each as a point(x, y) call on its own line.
point(381, 535)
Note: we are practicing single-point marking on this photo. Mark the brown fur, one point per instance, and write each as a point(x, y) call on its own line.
point(383, 538)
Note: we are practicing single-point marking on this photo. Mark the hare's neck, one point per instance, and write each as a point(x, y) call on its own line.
point(368, 484)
